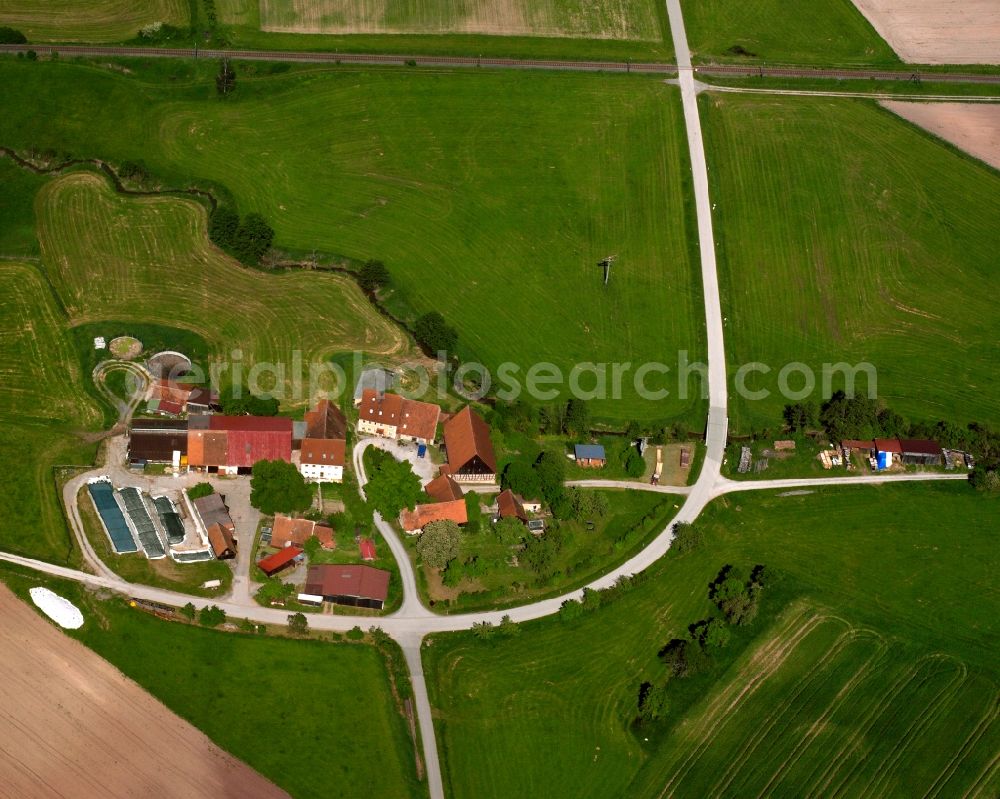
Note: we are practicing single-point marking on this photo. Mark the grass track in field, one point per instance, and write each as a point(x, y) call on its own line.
point(148, 259)
point(592, 19)
point(42, 408)
point(823, 32)
point(495, 213)
point(848, 235)
point(878, 629)
point(89, 20)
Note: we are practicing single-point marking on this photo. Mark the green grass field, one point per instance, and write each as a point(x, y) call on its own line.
point(156, 265)
point(89, 20)
point(847, 235)
point(769, 31)
point(618, 19)
point(502, 238)
point(43, 412)
point(872, 669)
point(283, 706)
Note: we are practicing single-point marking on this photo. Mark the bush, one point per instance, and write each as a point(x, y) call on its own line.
point(211, 616)
point(133, 170)
point(434, 334)
point(31, 55)
point(298, 624)
point(373, 276)
point(11, 36)
point(570, 609)
point(509, 531)
point(222, 227)
point(653, 702)
point(355, 634)
point(686, 537)
point(635, 464)
point(188, 611)
point(200, 490)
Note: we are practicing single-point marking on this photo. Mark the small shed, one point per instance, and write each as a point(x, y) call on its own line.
point(920, 452)
point(885, 450)
point(367, 549)
point(282, 559)
point(590, 456)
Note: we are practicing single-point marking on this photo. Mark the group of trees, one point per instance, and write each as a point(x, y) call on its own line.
point(246, 239)
point(843, 417)
point(278, 487)
point(434, 334)
point(737, 597)
point(392, 485)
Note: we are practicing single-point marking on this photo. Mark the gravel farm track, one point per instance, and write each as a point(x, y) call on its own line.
point(413, 621)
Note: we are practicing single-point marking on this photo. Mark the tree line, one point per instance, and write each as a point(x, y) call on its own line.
point(736, 595)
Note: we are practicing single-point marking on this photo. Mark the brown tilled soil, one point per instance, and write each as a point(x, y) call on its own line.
point(938, 31)
point(71, 725)
point(973, 128)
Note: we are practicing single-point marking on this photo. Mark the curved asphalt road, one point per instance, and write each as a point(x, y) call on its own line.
point(413, 621)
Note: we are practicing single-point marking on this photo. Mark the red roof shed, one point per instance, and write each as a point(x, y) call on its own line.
point(279, 560)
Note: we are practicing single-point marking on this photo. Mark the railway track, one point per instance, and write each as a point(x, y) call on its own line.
point(641, 67)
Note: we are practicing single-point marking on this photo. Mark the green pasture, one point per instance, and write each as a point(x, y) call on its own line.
point(882, 608)
point(846, 235)
point(494, 213)
point(269, 701)
point(829, 32)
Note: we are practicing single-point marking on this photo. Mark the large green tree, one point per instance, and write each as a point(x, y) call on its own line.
point(277, 487)
point(439, 543)
point(391, 485)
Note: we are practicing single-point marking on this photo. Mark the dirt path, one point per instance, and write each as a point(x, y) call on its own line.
point(71, 725)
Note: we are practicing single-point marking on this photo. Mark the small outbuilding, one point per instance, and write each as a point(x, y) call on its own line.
point(886, 449)
point(590, 456)
point(282, 559)
point(920, 452)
